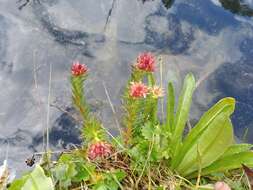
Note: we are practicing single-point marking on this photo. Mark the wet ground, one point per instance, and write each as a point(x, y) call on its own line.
point(212, 39)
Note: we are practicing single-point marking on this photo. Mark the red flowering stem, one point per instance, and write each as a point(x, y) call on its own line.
point(92, 128)
point(130, 105)
point(130, 118)
point(136, 75)
point(136, 106)
point(78, 95)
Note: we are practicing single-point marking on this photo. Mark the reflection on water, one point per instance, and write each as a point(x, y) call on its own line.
point(238, 7)
point(191, 36)
point(166, 3)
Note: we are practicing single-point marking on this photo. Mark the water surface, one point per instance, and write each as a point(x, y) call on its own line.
point(208, 38)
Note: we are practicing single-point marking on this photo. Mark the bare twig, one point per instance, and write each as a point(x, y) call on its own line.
point(35, 69)
point(161, 83)
point(55, 152)
point(113, 110)
point(146, 162)
point(109, 14)
point(48, 104)
point(204, 77)
point(189, 125)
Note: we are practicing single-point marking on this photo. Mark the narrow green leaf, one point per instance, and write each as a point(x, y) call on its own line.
point(225, 106)
point(182, 113)
point(170, 107)
point(212, 144)
point(228, 163)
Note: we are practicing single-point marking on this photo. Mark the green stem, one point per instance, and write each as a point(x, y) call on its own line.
point(154, 110)
point(151, 79)
point(170, 107)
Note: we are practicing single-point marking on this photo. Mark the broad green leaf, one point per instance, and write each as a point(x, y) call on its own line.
point(37, 180)
point(229, 162)
point(100, 186)
point(149, 131)
point(183, 109)
point(225, 106)
point(82, 173)
point(65, 170)
point(170, 107)
point(119, 174)
point(18, 183)
point(212, 144)
point(237, 148)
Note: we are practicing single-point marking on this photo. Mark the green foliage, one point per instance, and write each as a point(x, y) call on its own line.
point(145, 151)
point(209, 119)
point(64, 171)
point(78, 96)
point(71, 169)
point(151, 153)
point(237, 148)
point(211, 139)
point(138, 111)
point(36, 180)
point(170, 107)
point(92, 129)
point(230, 162)
point(182, 111)
point(110, 180)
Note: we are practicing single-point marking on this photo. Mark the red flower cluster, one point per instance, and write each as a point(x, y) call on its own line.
point(99, 150)
point(138, 90)
point(146, 62)
point(78, 69)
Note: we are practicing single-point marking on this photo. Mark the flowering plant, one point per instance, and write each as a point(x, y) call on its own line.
point(152, 152)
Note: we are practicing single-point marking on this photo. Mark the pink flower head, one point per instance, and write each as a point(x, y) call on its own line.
point(78, 69)
point(138, 90)
point(99, 150)
point(146, 62)
point(157, 92)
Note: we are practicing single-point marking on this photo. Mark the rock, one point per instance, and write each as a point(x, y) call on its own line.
point(221, 186)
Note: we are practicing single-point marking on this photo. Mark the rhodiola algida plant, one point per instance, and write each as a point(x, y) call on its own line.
point(151, 152)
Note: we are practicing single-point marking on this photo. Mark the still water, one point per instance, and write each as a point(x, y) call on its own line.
point(211, 38)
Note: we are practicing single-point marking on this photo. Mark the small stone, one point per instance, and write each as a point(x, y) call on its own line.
point(221, 186)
